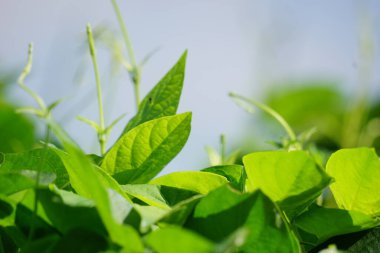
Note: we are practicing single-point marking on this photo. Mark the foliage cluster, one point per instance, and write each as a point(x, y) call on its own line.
point(55, 199)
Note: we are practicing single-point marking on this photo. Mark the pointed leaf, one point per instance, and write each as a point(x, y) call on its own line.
point(163, 99)
point(143, 152)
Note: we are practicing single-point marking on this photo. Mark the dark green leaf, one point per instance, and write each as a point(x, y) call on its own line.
point(324, 223)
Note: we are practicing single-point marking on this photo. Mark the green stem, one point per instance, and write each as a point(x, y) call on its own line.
point(124, 32)
point(135, 72)
point(271, 112)
point(36, 196)
point(223, 148)
point(25, 72)
point(101, 137)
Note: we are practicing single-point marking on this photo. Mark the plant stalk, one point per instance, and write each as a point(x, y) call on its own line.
point(135, 73)
point(101, 136)
point(271, 112)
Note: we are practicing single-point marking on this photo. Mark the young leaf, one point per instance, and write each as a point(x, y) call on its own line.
point(163, 99)
point(196, 181)
point(290, 178)
point(357, 180)
point(143, 152)
point(234, 173)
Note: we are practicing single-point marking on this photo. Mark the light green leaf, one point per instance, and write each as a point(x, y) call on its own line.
point(143, 152)
point(357, 180)
point(324, 223)
point(175, 239)
point(292, 179)
point(164, 98)
point(196, 181)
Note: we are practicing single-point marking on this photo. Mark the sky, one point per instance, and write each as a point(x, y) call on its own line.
point(245, 46)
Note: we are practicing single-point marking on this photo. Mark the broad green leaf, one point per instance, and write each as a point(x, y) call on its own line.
point(175, 239)
point(89, 183)
point(324, 223)
point(157, 195)
point(223, 211)
point(196, 181)
point(292, 179)
point(212, 204)
point(67, 211)
point(234, 173)
point(268, 233)
point(357, 180)
point(143, 152)
point(163, 99)
point(44, 160)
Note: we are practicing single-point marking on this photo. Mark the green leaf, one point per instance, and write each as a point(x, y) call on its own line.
point(16, 131)
point(175, 239)
point(292, 179)
point(12, 182)
point(234, 173)
point(90, 182)
point(180, 212)
point(324, 223)
point(157, 195)
point(67, 211)
point(80, 240)
point(357, 180)
point(196, 181)
point(143, 152)
point(44, 244)
point(163, 99)
point(224, 211)
point(31, 160)
point(268, 232)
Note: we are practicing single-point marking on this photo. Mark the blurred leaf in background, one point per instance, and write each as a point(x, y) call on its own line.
point(17, 132)
point(323, 105)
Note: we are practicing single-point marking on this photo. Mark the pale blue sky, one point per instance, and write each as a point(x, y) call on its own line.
point(241, 45)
